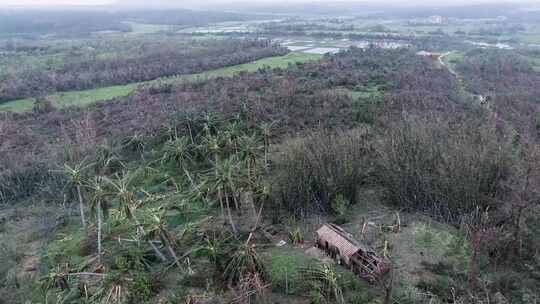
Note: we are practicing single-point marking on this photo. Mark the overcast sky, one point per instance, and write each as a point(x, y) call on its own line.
point(208, 3)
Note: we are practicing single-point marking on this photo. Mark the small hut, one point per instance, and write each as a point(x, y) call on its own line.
point(356, 256)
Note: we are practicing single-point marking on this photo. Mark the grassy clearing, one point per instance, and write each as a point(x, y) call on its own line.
point(368, 92)
point(454, 247)
point(272, 62)
point(530, 38)
point(88, 97)
point(453, 59)
point(284, 266)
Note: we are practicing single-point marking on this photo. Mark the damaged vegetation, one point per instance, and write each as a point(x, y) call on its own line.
point(179, 193)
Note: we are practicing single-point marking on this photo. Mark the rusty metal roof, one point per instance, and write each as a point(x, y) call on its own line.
point(339, 238)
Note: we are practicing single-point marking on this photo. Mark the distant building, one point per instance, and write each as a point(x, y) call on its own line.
point(437, 20)
point(431, 20)
point(429, 54)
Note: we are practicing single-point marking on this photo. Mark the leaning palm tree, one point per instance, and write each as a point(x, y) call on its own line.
point(224, 180)
point(98, 196)
point(76, 176)
point(128, 201)
point(244, 261)
point(135, 143)
point(325, 279)
point(158, 230)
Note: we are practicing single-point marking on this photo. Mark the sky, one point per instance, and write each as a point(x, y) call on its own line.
point(54, 2)
point(187, 3)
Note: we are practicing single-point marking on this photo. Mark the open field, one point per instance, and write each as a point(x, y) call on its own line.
point(87, 97)
point(143, 28)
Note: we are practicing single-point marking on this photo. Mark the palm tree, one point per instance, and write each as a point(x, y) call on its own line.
point(178, 150)
point(245, 261)
point(250, 148)
point(232, 133)
point(107, 161)
point(211, 145)
point(98, 196)
point(191, 119)
point(326, 280)
point(75, 177)
point(214, 249)
point(266, 130)
point(158, 229)
point(224, 181)
point(128, 204)
point(135, 143)
point(211, 122)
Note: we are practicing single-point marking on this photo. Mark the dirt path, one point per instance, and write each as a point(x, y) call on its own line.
point(481, 99)
point(448, 67)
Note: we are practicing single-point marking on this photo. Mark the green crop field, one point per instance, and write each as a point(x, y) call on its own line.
point(87, 97)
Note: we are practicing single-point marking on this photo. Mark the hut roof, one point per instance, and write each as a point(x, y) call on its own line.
point(339, 238)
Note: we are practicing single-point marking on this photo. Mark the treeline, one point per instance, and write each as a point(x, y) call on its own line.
point(152, 60)
point(30, 22)
point(498, 71)
point(78, 22)
point(509, 85)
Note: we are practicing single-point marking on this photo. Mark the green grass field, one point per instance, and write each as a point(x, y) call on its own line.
point(142, 28)
point(87, 97)
point(453, 59)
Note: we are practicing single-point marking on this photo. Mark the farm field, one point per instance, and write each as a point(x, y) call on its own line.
point(87, 97)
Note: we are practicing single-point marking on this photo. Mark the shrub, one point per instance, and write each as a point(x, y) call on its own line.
point(296, 237)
